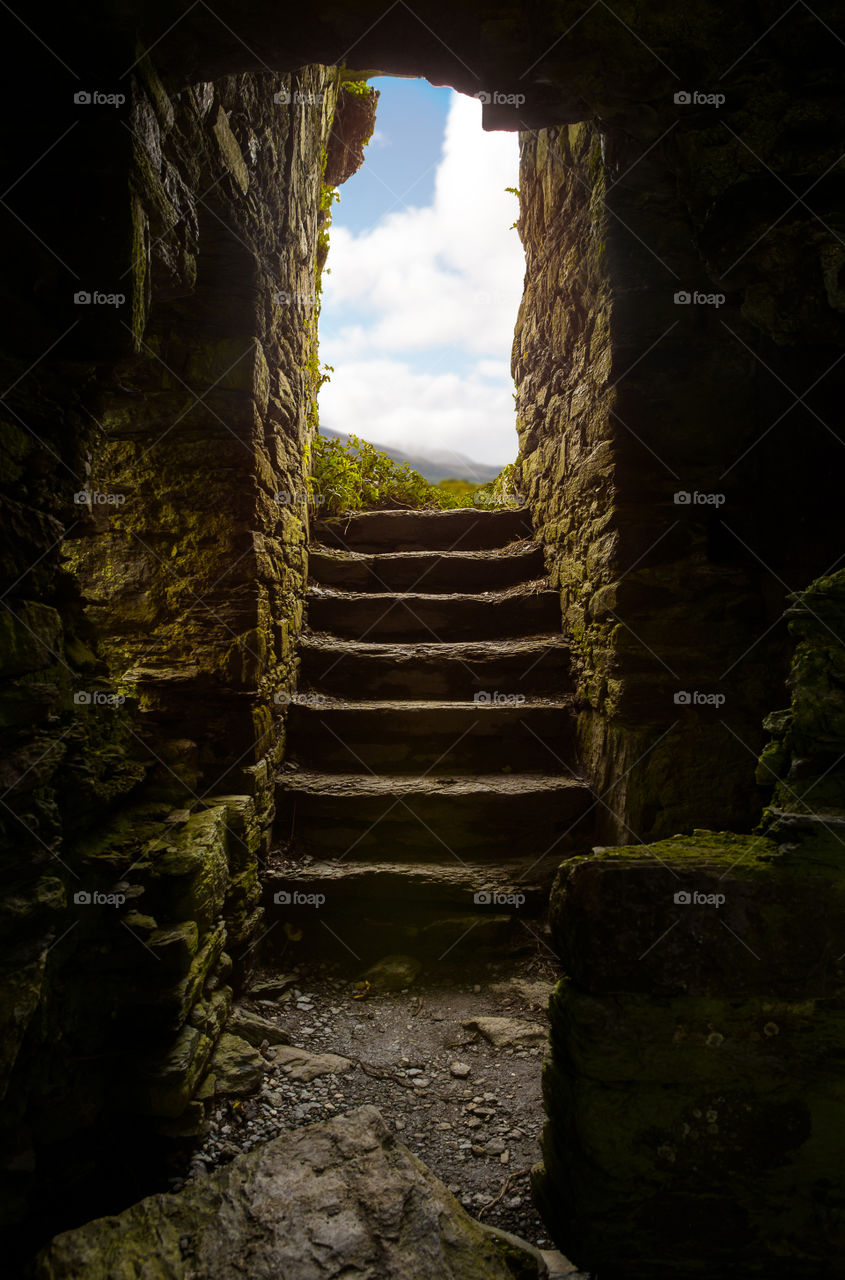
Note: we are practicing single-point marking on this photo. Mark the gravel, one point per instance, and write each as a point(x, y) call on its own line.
point(475, 1118)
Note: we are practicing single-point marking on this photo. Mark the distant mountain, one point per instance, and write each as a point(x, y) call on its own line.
point(439, 464)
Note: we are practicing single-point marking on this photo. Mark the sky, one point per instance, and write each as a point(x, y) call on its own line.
point(424, 277)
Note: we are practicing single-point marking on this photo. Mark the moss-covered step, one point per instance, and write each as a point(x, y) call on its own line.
point(410, 737)
point(469, 529)
point(431, 571)
point(536, 665)
point(711, 913)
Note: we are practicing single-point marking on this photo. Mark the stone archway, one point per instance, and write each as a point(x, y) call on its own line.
point(628, 397)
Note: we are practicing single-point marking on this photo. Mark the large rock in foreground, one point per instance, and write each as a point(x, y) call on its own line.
point(332, 1199)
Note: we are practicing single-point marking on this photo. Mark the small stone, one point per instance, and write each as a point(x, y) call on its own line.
point(505, 1033)
point(393, 973)
point(460, 1070)
point(237, 1067)
point(505, 1157)
point(272, 987)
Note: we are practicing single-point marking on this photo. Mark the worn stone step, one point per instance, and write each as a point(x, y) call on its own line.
point(421, 819)
point(430, 910)
point(533, 665)
point(392, 616)
point(518, 885)
point(428, 571)
point(429, 933)
point(468, 529)
point(413, 736)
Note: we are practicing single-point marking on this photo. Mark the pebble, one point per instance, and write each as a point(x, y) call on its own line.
point(471, 1134)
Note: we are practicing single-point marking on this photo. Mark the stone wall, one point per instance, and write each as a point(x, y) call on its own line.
point(680, 486)
point(694, 1098)
point(155, 599)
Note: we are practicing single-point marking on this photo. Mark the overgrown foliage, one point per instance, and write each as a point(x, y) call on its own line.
point(357, 476)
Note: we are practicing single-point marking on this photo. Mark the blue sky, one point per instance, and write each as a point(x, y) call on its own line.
point(403, 154)
point(425, 276)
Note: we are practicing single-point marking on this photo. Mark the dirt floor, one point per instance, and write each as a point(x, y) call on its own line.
point(471, 1111)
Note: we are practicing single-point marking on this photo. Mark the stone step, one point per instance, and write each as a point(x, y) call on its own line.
point(469, 529)
point(514, 885)
point(427, 571)
point(427, 910)
point(396, 818)
point(392, 616)
point(411, 737)
point(534, 665)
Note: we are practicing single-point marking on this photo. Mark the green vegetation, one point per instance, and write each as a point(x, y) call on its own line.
point(358, 477)
point(359, 88)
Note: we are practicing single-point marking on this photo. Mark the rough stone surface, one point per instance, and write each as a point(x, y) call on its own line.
point(300, 1064)
point(654, 433)
point(156, 595)
point(507, 1032)
point(393, 973)
point(331, 1199)
point(696, 1035)
point(235, 1066)
point(255, 1029)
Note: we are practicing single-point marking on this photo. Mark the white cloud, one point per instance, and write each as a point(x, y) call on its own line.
point(426, 287)
point(387, 401)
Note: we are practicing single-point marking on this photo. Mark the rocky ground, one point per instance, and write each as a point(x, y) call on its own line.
point(453, 1064)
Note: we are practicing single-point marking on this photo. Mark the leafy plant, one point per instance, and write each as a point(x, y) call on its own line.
point(357, 476)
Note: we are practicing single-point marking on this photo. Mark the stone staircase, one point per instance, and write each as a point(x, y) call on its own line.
point(427, 799)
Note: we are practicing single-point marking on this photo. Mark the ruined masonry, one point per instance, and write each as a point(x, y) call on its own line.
point(430, 780)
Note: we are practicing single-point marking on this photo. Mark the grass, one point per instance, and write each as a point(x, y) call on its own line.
point(358, 477)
